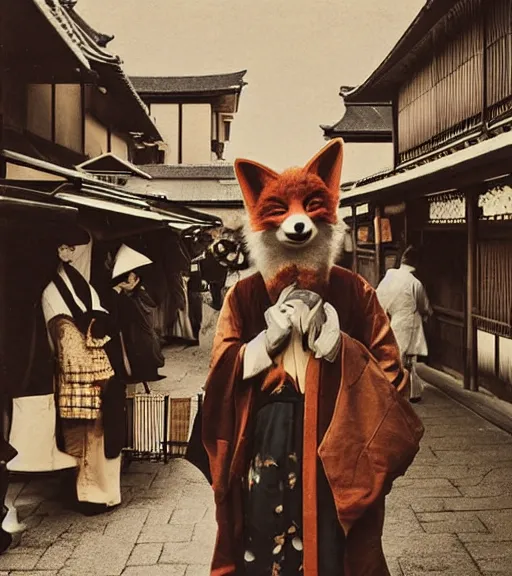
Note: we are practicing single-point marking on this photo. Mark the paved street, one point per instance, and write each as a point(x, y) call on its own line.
point(450, 515)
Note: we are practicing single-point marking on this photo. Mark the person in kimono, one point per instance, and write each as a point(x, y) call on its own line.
point(404, 299)
point(132, 311)
point(78, 328)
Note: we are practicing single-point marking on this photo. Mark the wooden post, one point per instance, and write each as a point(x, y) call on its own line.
point(354, 239)
point(378, 243)
point(484, 24)
point(406, 227)
point(471, 367)
point(395, 137)
point(3, 74)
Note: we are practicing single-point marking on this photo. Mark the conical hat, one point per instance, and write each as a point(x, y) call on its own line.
point(128, 259)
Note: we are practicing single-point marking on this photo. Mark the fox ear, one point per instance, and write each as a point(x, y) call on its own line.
point(327, 164)
point(252, 178)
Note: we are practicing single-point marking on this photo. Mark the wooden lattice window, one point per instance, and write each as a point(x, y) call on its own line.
point(495, 281)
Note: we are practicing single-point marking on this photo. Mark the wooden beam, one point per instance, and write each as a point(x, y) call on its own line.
point(83, 112)
point(180, 133)
point(483, 24)
point(354, 238)
point(394, 137)
point(378, 243)
point(406, 226)
point(53, 113)
point(3, 31)
point(471, 360)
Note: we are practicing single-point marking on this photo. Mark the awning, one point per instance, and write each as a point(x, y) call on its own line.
point(83, 190)
point(476, 163)
point(8, 202)
point(119, 208)
point(23, 209)
point(90, 202)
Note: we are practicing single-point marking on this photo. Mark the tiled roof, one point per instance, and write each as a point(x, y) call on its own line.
point(89, 47)
point(378, 86)
point(67, 23)
point(365, 120)
point(189, 84)
point(101, 39)
point(187, 172)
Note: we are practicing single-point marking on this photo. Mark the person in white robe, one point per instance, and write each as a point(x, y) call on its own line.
point(405, 300)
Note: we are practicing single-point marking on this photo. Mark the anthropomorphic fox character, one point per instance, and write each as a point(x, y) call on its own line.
point(292, 232)
point(303, 422)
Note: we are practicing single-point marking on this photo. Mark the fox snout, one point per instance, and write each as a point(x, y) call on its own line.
point(296, 230)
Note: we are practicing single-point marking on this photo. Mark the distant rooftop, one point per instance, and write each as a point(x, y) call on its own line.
point(187, 172)
point(363, 123)
point(216, 83)
point(89, 48)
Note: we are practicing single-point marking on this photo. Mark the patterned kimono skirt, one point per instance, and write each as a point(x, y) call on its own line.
point(273, 526)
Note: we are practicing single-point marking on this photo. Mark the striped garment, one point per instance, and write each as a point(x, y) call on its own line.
point(84, 369)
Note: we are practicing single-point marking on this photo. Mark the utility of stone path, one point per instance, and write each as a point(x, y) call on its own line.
point(450, 515)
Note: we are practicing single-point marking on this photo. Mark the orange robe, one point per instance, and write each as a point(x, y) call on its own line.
point(357, 424)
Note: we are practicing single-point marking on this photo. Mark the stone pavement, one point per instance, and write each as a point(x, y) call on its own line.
point(451, 514)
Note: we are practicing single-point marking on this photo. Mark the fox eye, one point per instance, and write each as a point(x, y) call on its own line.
point(275, 209)
point(314, 204)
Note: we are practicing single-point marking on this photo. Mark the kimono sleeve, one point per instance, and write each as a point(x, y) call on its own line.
point(219, 429)
point(218, 419)
point(375, 333)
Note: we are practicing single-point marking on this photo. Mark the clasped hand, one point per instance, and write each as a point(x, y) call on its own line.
point(304, 311)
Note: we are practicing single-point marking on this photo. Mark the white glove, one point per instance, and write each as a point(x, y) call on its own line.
point(279, 323)
point(261, 350)
point(328, 343)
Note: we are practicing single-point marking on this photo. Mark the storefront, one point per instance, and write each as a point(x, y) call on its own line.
point(96, 220)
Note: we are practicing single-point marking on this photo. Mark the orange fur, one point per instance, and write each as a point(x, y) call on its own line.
point(310, 193)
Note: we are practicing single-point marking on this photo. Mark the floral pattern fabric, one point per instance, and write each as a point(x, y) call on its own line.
point(273, 528)
point(273, 506)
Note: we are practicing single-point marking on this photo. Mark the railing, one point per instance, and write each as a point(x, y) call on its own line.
point(159, 426)
point(464, 82)
point(493, 326)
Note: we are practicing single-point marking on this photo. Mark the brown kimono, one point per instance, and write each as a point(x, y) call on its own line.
point(357, 426)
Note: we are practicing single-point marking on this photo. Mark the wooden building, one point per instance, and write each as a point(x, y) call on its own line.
point(71, 124)
point(194, 114)
point(449, 82)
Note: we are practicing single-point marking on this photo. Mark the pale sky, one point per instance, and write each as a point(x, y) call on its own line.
point(297, 53)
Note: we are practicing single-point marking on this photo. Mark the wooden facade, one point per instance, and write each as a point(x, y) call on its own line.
point(451, 92)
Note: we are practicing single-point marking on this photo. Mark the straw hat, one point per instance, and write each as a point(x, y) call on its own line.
point(127, 260)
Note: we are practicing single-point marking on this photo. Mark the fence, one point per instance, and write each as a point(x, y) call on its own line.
point(159, 426)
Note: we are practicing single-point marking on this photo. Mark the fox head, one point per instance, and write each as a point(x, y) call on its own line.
point(292, 230)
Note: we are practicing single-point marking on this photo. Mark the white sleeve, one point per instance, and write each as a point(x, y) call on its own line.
point(256, 357)
point(422, 301)
point(52, 303)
